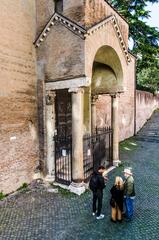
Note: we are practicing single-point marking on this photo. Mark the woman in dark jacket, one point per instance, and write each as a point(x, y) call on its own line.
point(116, 201)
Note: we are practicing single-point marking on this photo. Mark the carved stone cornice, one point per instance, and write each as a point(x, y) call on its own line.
point(76, 90)
point(83, 32)
point(56, 17)
point(121, 40)
point(69, 83)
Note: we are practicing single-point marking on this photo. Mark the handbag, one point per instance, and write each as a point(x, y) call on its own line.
point(112, 202)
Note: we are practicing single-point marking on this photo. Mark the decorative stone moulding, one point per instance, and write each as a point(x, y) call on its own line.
point(119, 35)
point(83, 32)
point(98, 26)
point(78, 30)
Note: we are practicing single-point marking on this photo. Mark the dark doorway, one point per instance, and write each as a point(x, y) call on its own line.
point(63, 113)
point(63, 137)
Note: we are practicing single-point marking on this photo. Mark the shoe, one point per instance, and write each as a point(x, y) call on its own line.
point(101, 216)
point(124, 215)
point(93, 214)
point(120, 221)
point(112, 220)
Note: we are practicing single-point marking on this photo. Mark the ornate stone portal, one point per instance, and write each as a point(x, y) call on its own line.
point(87, 57)
point(78, 44)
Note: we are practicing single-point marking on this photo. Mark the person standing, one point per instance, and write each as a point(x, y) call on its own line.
point(97, 184)
point(129, 194)
point(116, 201)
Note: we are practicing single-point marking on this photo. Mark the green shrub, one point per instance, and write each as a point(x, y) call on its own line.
point(2, 196)
point(23, 187)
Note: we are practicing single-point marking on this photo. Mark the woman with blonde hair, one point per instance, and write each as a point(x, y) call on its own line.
point(116, 201)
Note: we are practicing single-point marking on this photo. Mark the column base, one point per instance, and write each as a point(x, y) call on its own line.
point(38, 175)
point(77, 188)
point(116, 163)
point(50, 178)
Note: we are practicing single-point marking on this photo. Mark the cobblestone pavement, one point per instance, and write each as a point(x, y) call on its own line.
point(38, 214)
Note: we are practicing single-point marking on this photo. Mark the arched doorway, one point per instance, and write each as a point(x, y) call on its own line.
point(107, 78)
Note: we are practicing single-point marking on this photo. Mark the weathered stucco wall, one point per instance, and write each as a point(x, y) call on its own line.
point(64, 54)
point(18, 142)
point(88, 13)
point(44, 11)
point(146, 103)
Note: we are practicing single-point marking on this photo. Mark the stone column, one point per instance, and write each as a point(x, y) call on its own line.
point(50, 129)
point(115, 127)
point(77, 185)
point(93, 113)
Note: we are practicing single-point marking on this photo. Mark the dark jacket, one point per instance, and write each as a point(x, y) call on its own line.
point(118, 196)
point(101, 183)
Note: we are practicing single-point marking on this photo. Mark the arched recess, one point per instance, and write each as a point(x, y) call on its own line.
point(107, 78)
point(107, 73)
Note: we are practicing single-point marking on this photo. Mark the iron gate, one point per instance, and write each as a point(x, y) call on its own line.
point(63, 140)
point(97, 150)
point(63, 159)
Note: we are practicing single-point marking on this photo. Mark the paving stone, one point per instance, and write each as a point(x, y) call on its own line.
point(38, 214)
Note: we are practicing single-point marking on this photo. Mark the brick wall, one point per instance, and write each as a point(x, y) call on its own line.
point(146, 103)
point(18, 142)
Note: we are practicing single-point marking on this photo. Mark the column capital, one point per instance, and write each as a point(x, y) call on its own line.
point(115, 95)
point(76, 90)
point(94, 98)
point(50, 97)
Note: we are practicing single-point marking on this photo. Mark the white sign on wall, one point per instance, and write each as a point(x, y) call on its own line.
point(64, 153)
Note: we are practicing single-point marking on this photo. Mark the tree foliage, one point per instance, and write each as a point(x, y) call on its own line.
point(145, 38)
point(148, 79)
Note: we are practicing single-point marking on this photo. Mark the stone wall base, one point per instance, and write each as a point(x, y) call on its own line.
point(116, 163)
point(77, 188)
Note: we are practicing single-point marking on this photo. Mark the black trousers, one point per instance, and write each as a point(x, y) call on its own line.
point(97, 200)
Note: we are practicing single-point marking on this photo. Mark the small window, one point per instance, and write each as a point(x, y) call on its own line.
point(59, 6)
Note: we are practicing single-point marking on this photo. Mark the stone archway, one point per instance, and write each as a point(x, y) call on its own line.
point(107, 73)
point(107, 78)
